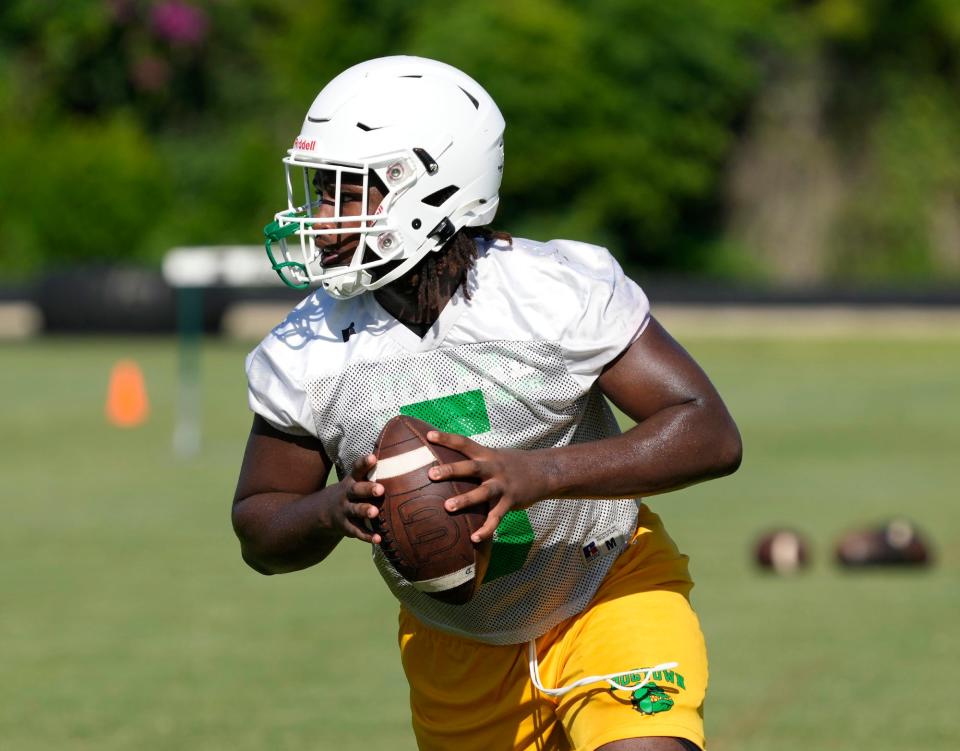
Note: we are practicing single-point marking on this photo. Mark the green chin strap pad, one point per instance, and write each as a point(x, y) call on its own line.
point(273, 232)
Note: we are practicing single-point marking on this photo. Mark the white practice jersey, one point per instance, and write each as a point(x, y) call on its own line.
point(513, 367)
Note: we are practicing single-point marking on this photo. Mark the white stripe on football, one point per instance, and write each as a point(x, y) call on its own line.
point(448, 581)
point(401, 464)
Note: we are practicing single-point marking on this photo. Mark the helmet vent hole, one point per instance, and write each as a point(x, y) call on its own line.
point(318, 119)
point(365, 127)
point(471, 97)
point(441, 196)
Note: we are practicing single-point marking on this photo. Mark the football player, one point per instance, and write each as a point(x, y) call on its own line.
point(581, 634)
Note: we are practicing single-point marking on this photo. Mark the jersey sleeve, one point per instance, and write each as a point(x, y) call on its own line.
point(274, 392)
point(612, 312)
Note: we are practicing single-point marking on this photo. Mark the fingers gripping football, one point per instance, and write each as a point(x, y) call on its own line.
point(507, 480)
point(358, 504)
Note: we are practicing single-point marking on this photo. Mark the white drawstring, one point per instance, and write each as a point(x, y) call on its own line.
point(608, 679)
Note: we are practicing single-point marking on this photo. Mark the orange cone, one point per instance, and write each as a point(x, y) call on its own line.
point(127, 404)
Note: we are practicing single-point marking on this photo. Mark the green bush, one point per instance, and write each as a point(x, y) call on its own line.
point(77, 193)
point(618, 114)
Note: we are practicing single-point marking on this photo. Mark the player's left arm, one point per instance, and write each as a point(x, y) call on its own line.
point(684, 434)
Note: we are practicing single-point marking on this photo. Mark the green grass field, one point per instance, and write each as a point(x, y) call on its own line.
point(128, 621)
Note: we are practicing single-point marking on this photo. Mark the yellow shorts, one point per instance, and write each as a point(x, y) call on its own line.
point(466, 695)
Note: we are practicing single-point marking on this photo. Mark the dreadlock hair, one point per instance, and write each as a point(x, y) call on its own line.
point(454, 261)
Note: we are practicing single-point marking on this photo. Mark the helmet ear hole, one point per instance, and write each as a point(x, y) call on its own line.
point(440, 197)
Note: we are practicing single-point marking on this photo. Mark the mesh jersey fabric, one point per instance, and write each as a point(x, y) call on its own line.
point(513, 367)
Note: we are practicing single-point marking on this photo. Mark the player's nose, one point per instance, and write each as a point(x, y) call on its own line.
point(323, 213)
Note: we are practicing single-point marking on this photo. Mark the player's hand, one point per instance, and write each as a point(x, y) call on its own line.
point(352, 507)
point(509, 479)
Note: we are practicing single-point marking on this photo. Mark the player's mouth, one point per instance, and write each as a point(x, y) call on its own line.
point(336, 253)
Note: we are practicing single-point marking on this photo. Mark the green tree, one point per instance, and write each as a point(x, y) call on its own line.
point(619, 115)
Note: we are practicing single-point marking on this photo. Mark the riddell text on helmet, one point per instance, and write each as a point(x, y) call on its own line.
point(304, 145)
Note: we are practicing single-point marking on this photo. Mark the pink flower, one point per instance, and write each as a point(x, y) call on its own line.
point(179, 23)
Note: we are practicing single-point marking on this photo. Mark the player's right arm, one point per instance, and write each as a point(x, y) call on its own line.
point(285, 517)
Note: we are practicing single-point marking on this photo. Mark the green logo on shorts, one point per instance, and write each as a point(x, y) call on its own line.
point(650, 699)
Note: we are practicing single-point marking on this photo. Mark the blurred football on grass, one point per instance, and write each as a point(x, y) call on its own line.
point(782, 551)
point(895, 543)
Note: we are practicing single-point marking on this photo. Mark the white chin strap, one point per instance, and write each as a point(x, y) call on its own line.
point(609, 679)
point(347, 285)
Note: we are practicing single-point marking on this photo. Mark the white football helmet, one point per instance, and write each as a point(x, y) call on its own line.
point(434, 138)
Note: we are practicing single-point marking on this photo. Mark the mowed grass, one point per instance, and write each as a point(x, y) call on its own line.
point(128, 621)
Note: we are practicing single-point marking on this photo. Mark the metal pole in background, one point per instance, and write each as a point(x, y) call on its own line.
point(186, 434)
point(190, 271)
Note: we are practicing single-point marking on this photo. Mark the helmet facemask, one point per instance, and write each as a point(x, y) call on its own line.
point(314, 184)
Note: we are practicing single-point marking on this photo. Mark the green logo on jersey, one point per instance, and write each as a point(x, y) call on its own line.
point(650, 699)
point(512, 541)
point(466, 413)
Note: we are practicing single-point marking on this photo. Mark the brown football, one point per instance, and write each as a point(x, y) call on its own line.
point(896, 543)
point(783, 551)
point(427, 545)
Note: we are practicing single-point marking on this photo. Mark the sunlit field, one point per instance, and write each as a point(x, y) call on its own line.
point(128, 620)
